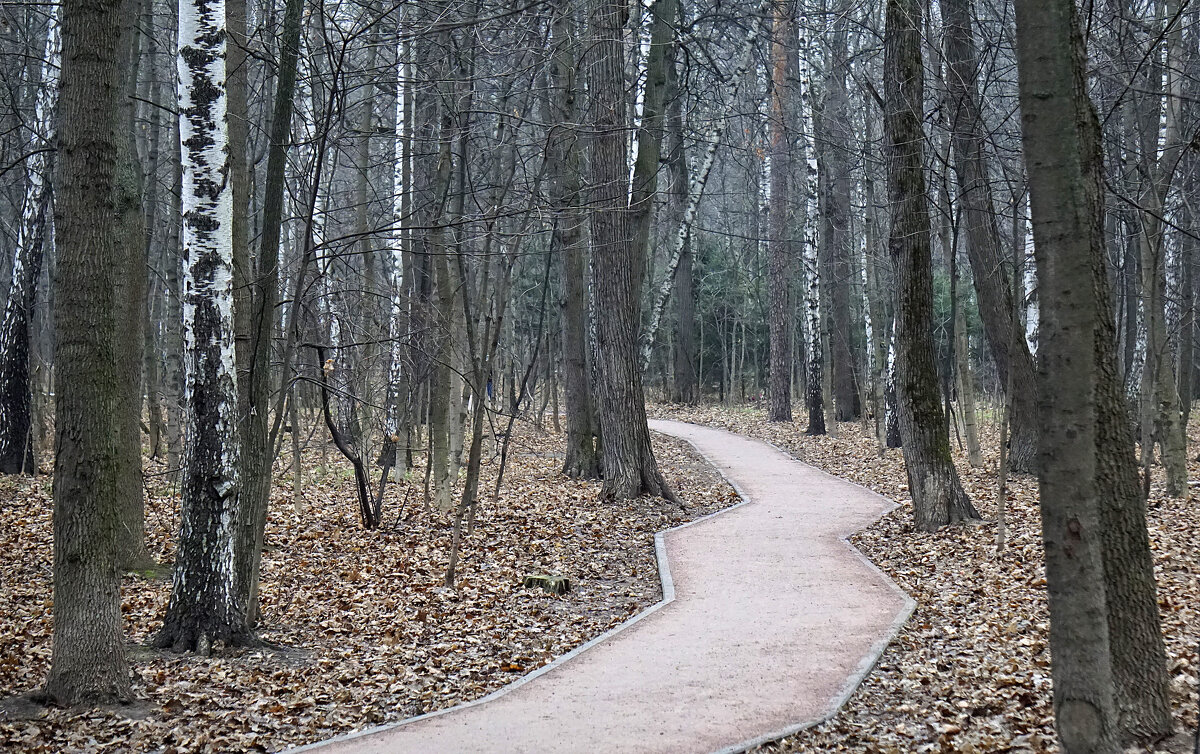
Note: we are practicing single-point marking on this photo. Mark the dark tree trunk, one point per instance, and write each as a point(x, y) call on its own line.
point(1187, 293)
point(938, 496)
point(257, 441)
point(783, 65)
point(16, 430)
point(1139, 660)
point(1061, 142)
point(686, 352)
point(88, 661)
point(16, 436)
point(618, 259)
point(842, 277)
point(993, 282)
point(562, 167)
point(131, 296)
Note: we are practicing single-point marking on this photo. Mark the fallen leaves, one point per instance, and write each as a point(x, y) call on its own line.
point(365, 632)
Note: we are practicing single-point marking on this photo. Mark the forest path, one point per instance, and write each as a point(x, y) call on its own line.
point(769, 620)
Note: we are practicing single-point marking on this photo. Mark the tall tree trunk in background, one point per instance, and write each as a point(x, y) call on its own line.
point(1138, 655)
point(131, 295)
point(257, 441)
point(783, 64)
point(964, 379)
point(1187, 294)
point(618, 257)
point(173, 326)
point(16, 435)
point(1060, 138)
point(154, 342)
point(1158, 147)
point(877, 297)
point(562, 171)
point(88, 652)
point(845, 332)
point(203, 607)
point(938, 496)
point(249, 414)
point(993, 281)
point(1139, 659)
point(236, 86)
point(686, 351)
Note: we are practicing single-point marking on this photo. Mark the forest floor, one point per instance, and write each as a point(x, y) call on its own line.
point(970, 671)
point(369, 633)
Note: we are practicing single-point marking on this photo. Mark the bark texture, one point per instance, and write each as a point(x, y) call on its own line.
point(1061, 146)
point(783, 64)
point(938, 496)
point(88, 654)
point(619, 262)
point(203, 608)
point(16, 435)
point(845, 330)
point(992, 279)
point(562, 166)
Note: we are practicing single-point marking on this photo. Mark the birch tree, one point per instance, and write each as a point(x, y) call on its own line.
point(16, 432)
point(203, 607)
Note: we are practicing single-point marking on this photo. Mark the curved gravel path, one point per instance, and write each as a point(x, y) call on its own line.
point(769, 621)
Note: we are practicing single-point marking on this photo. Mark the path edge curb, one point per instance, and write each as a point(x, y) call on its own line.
point(877, 649)
point(666, 581)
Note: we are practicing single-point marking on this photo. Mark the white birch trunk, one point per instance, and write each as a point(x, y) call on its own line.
point(812, 271)
point(203, 606)
point(16, 434)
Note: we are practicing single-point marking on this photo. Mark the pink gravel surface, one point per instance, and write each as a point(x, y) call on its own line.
point(769, 620)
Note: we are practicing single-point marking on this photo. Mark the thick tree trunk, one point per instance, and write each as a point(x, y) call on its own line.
point(1139, 660)
point(618, 261)
point(204, 606)
point(88, 661)
point(938, 496)
point(1077, 380)
point(993, 283)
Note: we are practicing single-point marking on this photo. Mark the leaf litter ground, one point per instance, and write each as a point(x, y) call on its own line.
point(372, 636)
point(368, 632)
point(970, 671)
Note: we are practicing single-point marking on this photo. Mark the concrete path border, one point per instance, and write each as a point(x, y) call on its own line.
point(754, 661)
